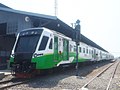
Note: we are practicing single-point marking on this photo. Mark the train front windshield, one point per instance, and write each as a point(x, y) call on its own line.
point(27, 41)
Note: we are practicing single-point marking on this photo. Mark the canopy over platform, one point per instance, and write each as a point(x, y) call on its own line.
point(51, 22)
point(4, 6)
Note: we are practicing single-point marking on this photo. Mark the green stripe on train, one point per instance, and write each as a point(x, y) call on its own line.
point(47, 61)
point(43, 62)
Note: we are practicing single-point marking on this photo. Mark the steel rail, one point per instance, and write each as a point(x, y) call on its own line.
point(85, 85)
point(2, 82)
point(14, 84)
point(108, 86)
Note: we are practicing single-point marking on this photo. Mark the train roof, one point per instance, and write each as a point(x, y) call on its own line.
point(52, 22)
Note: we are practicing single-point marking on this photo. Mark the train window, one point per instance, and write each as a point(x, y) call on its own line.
point(87, 51)
point(30, 46)
point(70, 48)
point(79, 49)
point(43, 43)
point(92, 52)
point(50, 46)
point(74, 48)
point(83, 50)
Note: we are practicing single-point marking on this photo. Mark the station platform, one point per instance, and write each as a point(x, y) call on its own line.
point(6, 72)
point(3, 73)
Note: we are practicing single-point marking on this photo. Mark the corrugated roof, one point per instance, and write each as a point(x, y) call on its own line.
point(27, 13)
point(52, 22)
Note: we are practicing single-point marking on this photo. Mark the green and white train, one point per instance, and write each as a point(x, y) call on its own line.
point(41, 48)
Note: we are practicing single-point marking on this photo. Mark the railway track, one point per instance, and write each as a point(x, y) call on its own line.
point(49, 81)
point(12, 82)
point(112, 76)
point(85, 86)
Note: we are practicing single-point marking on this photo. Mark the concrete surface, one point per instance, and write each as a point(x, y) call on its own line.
point(3, 73)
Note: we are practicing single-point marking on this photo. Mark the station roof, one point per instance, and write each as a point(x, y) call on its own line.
point(53, 23)
point(4, 6)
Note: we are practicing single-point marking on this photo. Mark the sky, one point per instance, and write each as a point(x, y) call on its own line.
point(100, 19)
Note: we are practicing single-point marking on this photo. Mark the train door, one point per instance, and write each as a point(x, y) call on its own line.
point(65, 49)
point(55, 48)
point(95, 55)
point(94, 52)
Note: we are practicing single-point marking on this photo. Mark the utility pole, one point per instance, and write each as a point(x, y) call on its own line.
point(77, 40)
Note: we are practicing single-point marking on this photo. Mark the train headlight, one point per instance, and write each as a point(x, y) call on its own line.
point(35, 55)
point(12, 55)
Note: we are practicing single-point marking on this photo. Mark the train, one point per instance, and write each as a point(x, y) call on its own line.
point(38, 49)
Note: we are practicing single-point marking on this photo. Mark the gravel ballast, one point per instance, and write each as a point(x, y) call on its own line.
point(66, 80)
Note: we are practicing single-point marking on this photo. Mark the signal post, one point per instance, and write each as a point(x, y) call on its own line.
point(77, 40)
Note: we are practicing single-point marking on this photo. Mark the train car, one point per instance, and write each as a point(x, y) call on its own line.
point(39, 49)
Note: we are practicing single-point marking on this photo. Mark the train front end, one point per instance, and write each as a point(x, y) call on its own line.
point(23, 51)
